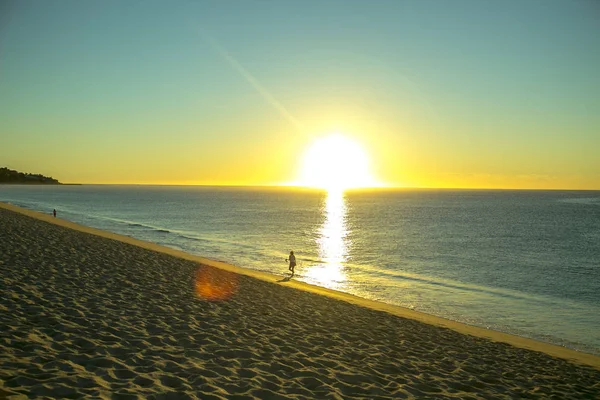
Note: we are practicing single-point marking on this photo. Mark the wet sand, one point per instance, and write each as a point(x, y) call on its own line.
point(86, 313)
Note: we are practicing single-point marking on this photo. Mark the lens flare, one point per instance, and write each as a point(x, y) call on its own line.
point(214, 284)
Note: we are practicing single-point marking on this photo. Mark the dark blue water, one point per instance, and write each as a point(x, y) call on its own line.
point(522, 262)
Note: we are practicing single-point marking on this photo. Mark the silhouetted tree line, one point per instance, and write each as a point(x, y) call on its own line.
point(12, 176)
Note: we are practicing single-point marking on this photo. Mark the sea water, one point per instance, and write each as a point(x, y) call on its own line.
point(521, 262)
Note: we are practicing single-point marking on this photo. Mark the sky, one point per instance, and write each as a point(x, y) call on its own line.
point(465, 94)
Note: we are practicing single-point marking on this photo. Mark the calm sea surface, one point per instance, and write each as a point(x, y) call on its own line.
point(522, 262)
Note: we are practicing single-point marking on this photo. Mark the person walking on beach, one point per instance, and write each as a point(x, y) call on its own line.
point(54, 212)
point(292, 260)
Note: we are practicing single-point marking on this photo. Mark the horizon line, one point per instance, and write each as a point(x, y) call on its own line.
point(375, 188)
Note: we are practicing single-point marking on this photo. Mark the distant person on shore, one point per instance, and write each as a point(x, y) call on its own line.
point(54, 212)
point(292, 260)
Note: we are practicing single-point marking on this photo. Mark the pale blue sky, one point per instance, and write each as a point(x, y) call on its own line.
point(440, 91)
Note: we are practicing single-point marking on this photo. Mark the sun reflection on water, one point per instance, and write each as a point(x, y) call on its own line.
point(332, 244)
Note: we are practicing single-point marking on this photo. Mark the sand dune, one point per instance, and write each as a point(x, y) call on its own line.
point(88, 316)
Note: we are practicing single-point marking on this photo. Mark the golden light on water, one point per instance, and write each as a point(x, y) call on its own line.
point(332, 243)
point(335, 163)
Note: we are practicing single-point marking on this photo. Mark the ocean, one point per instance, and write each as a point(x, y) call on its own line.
point(520, 262)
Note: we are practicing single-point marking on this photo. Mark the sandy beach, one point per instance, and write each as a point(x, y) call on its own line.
point(91, 314)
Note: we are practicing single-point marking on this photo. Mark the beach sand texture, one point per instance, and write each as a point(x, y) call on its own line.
point(87, 316)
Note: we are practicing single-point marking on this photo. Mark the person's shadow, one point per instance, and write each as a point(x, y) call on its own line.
point(286, 279)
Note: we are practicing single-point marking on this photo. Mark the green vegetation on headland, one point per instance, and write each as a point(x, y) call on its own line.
point(12, 176)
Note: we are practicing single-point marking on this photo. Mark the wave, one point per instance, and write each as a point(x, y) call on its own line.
point(388, 277)
point(158, 234)
point(132, 224)
point(592, 201)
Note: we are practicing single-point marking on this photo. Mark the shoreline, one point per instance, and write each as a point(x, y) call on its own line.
point(494, 336)
point(91, 314)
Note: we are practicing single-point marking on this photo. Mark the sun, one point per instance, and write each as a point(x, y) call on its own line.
point(336, 163)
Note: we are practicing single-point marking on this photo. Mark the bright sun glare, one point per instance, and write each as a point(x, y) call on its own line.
point(336, 163)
